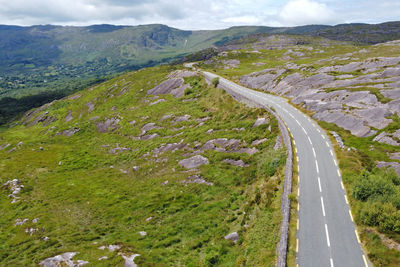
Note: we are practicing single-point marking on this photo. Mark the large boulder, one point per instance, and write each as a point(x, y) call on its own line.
point(193, 162)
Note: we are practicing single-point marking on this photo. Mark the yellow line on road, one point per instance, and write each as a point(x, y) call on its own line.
point(345, 198)
point(358, 238)
point(365, 261)
point(297, 245)
point(351, 216)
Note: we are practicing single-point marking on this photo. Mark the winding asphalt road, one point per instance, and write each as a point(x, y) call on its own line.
point(326, 235)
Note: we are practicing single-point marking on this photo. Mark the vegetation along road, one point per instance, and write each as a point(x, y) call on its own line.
point(326, 235)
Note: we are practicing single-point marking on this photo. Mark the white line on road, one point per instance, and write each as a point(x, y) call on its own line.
point(327, 144)
point(338, 172)
point(323, 136)
point(327, 235)
point(316, 165)
point(345, 198)
point(334, 160)
point(304, 130)
point(319, 184)
point(323, 207)
point(313, 150)
point(332, 263)
point(309, 140)
point(297, 122)
point(341, 182)
point(331, 152)
point(318, 130)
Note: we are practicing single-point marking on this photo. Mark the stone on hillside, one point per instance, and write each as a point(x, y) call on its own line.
point(149, 126)
point(231, 63)
point(193, 162)
point(172, 86)
point(238, 163)
point(395, 156)
point(146, 137)
point(118, 149)
point(4, 146)
point(111, 248)
point(65, 258)
point(338, 140)
point(393, 93)
point(196, 179)
point(15, 187)
point(182, 74)
point(185, 117)
point(69, 116)
point(43, 118)
point(394, 165)
point(233, 237)
point(90, 106)
point(129, 260)
point(346, 121)
point(396, 134)
point(170, 147)
point(261, 121)
point(157, 101)
point(20, 222)
point(383, 137)
point(166, 117)
point(142, 233)
point(107, 125)
point(103, 258)
point(69, 132)
point(258, 142)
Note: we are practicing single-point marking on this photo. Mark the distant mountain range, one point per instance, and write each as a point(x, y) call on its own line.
point(59, 60)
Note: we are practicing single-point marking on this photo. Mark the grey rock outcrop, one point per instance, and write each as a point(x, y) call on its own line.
point(193, 162)
point(173, 86)
point(108, 125)
point(63, 259)
point(196, 179)
point(261, 121)
point(233, 237)
point(394, 165)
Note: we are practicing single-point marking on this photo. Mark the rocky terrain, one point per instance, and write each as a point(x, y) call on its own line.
point(358, 89)
point(153, 167)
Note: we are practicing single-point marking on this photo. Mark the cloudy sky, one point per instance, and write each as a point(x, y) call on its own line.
point(197, 14)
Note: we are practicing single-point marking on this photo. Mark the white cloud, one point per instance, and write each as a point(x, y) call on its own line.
point(247, 20)
point(302, 12)
point(199, 14)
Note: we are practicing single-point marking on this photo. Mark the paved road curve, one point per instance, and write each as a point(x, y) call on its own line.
point(326, 233)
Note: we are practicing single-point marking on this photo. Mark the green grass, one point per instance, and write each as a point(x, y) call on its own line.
point(84, 203)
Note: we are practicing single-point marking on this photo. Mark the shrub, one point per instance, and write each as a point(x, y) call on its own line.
point(215, 81)
point(370, 187)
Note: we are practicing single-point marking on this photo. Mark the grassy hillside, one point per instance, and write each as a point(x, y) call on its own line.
point(96, 172)
point(323, 77)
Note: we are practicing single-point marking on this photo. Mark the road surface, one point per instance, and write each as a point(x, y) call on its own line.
point(326, 234)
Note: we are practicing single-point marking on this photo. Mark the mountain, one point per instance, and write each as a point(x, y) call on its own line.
point(49, 62)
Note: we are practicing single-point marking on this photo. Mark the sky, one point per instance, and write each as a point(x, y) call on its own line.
point(197, 14)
